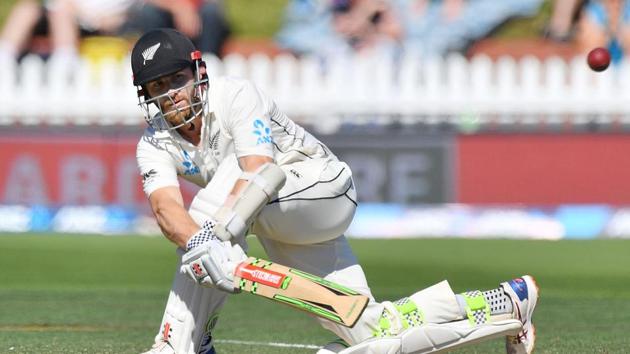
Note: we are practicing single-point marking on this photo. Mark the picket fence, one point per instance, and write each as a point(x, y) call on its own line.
point(326, 94)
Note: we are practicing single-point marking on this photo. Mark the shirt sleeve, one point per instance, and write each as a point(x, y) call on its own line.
point(249, 123)
point(156, 167)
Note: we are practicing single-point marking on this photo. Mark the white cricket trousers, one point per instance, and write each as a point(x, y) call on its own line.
point(302, 228)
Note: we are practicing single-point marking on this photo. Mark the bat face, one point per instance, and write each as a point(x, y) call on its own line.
point(301, 290)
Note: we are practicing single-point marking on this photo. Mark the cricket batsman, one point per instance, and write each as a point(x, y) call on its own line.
point(261, 173)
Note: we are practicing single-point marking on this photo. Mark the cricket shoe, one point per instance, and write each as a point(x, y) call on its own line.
point(524, 294)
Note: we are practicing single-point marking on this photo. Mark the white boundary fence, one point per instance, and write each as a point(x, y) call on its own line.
point(503, 91)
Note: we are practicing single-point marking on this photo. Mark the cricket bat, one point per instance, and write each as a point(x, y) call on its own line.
point(301, 290)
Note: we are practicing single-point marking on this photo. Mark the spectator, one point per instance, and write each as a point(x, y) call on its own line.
point(64, 21)
point(366, 23)
point(563, 18)
point(21, 21)
point(605, 23)
point(331, 27)
point(436, 28)
point(202, 20)
point(419, 26)
point(71, 19)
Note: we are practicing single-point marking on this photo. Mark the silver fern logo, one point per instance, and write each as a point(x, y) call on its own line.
point(149, 53)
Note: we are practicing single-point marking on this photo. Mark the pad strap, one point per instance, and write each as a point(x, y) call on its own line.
point(477, 309)
point(408, 314)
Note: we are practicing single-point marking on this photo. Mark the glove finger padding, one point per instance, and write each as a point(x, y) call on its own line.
point(212, 264)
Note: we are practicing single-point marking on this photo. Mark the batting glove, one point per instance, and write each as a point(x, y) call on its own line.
point(211, 262)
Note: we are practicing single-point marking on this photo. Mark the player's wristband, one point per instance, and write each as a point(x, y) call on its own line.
point(202, 236)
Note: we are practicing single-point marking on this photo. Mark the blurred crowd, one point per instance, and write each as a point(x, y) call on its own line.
point(330, 27)
point(66, 23)
point(603, 23)
point(429, 27)
point(322, 28)
point(592, 24)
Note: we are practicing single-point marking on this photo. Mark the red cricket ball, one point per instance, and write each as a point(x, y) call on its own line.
point(598, 59)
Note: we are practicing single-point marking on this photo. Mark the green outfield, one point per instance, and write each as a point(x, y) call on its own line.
point(94, 294)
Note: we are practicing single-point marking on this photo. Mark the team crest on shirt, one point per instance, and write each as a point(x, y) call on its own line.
point(189, 166)
point(214, 141)
point(262, 132)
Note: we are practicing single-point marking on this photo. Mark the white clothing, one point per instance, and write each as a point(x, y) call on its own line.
point(190, 315)
point(318, 206)
point(91, 14)
point(240, 120)
point(303, 227)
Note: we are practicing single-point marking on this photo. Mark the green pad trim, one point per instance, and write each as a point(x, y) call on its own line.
point(411, 316)
point(477, 309)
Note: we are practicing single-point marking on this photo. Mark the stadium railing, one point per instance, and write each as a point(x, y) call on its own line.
point(357, 90)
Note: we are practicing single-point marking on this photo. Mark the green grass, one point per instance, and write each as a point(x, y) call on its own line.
point(94, 294)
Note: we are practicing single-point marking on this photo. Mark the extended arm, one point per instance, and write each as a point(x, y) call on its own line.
point(168, 207)
point(210, 261)
point(258, 183)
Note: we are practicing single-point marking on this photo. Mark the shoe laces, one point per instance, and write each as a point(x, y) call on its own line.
point(519, 338)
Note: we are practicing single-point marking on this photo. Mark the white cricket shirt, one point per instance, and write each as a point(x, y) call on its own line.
point(240, 119)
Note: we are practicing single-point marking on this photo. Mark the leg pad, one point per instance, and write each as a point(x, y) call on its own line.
point(436, 338)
